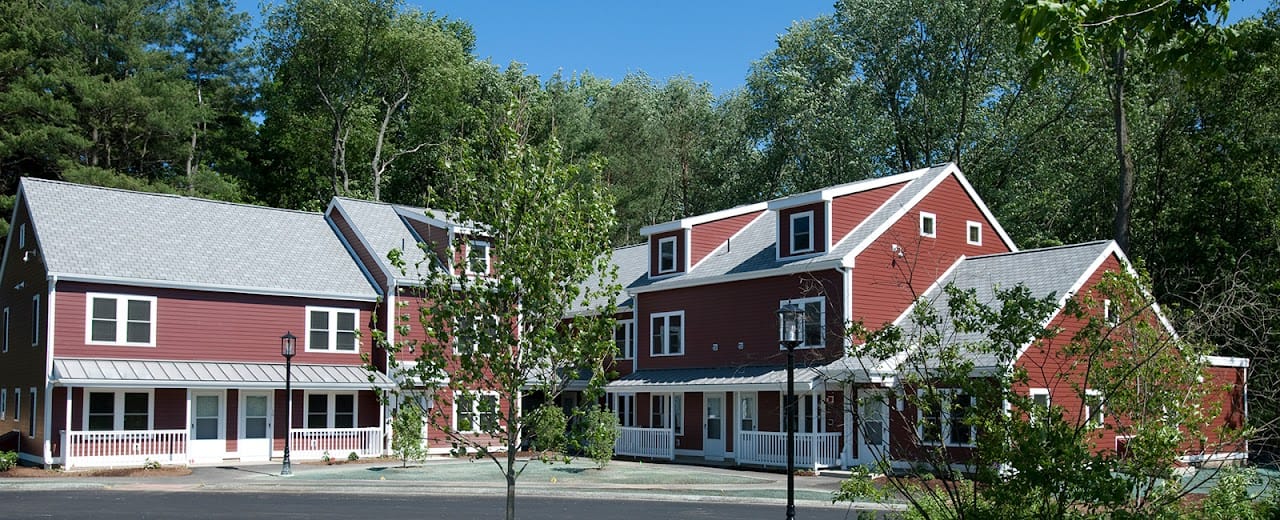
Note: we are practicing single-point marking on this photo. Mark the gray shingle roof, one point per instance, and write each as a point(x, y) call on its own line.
point(107, 234)
point(633, 265)
point(382, 228)
point(189, 374)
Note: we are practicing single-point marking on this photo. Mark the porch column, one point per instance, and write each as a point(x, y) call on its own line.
point(66, 435)
point(850, 435)
point(813, 432)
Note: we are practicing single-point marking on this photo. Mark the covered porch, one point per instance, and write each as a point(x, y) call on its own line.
point(728, 414)
point(114, 413)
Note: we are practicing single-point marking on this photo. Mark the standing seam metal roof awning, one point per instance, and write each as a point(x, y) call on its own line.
point(725, 379)
point(212, 374)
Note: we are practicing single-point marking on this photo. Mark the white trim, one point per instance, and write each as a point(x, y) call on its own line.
point(822, 317)
point(165, 284)
point(117, 406)
point(428, 216)
point(689, 222)
point(791, 233)
point(969, 227)
point(827, 194)
point(331, 408)
point(1227, 361)
point(332, 329)
point(666, 337)
point(475, 409)
point(932, 219)
point(22, 236)
point(31, 414)
point(629, 327)
point(17, 404)
point(121, 318)
point(488, 260)
point(1086, 411)
point(675, 255)
point(791, 268)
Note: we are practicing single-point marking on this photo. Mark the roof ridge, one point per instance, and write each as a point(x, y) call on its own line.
point(1041, 249)
point(167, 195)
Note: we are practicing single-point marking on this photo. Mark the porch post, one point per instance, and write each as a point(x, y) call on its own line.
point(850, 435)
point(813, 431)
point(66, 432)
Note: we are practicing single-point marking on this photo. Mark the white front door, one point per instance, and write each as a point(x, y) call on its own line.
point(255, 426)
point(872, 428)
point(208, 427)
point(713, 431)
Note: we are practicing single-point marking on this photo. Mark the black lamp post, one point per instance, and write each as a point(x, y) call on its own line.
point(790, 334)
point(288, 347)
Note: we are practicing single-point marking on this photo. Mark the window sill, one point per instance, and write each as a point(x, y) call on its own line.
point(652, 355)
point(114, 344)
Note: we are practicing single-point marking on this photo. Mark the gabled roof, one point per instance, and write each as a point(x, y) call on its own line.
point(753, 251)
point(95, 234)
point(633, 264)
point(380, 228)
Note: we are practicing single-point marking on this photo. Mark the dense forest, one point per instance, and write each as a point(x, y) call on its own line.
point(371, 99)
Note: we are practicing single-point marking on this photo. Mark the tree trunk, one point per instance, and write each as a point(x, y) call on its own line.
point(512, 444)
point(1124, 201)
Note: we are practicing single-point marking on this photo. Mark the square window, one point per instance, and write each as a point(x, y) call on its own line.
point(802, 232)
point(666, 334)
point(973, 234)
point(814, 329)
point(928, 225)
point(666, 255)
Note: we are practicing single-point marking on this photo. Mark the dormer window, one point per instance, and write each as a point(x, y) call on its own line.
point(667, 255)
point(928, 225)
point(802, 232)
point(478, 257)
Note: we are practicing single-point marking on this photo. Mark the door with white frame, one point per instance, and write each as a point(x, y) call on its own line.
point(254, 442)
point(872, 428)
point(713, 427)
point(208, 442)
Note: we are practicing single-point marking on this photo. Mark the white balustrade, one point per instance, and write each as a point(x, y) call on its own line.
point(813, 450)
point(313, 443)
point(82, 449)
point(653, 443)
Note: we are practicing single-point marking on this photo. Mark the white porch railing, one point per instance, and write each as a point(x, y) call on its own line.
point(338, 442)
point(653, 443)
point(813, 450)
point(82, 449)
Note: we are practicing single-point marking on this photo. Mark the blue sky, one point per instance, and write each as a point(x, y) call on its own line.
point(711, 41)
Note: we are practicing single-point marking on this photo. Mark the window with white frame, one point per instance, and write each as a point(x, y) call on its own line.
point(1110, 315)
point(945, 415)
point(475, 412)
point(478, 257)
point(31, 414)
point(805, 413)
point(468, 330)
point(801, 232)
point(331, 410)
point(666, 255)
point(1095, 408)
point(815, 319)
point(677, 413)
point(17, 403)
point(747, 413)
point(4, 342)
point(118, 410)
point(666, 333)
point(332, 330)
point(624, 336)
point(4, 403)
point(973, 233)
point(624, 405)
point(1040, 402)
point(117, 319)
point(667, 411)
point(22, 236)
point(35, 320)
point(928, 224)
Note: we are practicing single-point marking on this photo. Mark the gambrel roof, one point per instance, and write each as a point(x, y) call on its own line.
point(106, 235)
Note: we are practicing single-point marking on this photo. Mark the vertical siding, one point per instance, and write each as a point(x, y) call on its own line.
point(885, 284)
point(847, 211)
point(743, 311)
point(819, 228)
point(693, 430)
point(708, 236)
point(198, 325)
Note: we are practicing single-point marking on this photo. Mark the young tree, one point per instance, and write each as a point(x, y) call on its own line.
point(406, 429)
point(496, 336)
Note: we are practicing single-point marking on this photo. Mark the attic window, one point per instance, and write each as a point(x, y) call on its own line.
point(22, 236)
point(802, 232)
point(928, 225)
point(666, 255)
point(973, 233)
point(478, 257)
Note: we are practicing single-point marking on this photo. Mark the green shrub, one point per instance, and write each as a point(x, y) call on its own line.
point(547, 426)
point(151, 464)
point(8, 459)
point(598, 432)
point(406, 434)
point(353, 456)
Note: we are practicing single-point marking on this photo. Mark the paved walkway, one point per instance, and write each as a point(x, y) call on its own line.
point(655, 481)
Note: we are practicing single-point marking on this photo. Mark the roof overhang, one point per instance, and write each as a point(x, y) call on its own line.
point(74, 372)
point(371, 296)
point(727, 379)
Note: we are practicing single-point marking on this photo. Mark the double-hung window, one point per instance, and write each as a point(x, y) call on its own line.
point(666, 334)
point(475, 412)
point(331, 330)
point(118, 410)
point(1040, 403)
point(815, 319)
point(747, 413)
point(468, 330)
point(624, 336)
point(35, 320)
point(31, 414)
point(667, 411)
point(331, 411)
point(478, 258)
point(945, 415)
point(116, 319)
point(802, 232)
point(1095, 408)
point(666, 255)
point(624, 405)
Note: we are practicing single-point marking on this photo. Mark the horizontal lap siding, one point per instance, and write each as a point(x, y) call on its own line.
point(743, 311)
point(848, 211)
point(369, 259)
point(23, 366)
point(437, 240)
point(885, 284)
point(195, 325)
point(707, 237)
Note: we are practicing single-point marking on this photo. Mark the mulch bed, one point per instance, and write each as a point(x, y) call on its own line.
point(28, 472)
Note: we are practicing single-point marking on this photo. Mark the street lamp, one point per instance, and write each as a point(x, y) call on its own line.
point(790, 327)
point(288, 347)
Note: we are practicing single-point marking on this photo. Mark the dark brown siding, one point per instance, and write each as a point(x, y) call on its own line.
point(23, 366)
point(708, 236)
point(170, 409)
point(681, 250)
point(819, 228)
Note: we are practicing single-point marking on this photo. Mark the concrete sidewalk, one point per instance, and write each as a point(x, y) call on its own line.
point(581, 478)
